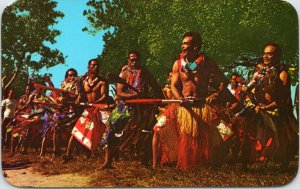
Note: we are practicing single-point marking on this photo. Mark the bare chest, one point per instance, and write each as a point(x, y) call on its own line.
point(190, 77)
point(92, 86)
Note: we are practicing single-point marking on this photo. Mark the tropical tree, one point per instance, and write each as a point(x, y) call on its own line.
point(27, 28)
point(230, 29)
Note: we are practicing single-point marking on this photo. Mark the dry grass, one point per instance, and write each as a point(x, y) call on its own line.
point(127, 173)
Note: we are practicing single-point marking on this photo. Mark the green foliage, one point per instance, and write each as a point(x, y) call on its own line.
point(229, 29)
point(27, 26)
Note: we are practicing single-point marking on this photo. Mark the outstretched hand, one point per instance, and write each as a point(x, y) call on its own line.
point(211, 98)
point(185, 102)
point(191, 101)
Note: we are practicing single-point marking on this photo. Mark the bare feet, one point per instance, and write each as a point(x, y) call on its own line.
point(154, 167)
point(106, 166)
point(66, 158)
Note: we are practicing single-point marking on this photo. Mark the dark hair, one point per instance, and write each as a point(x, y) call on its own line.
point(6, 92)
point(277, 48)
point(90, 61)
point(137, 53)
point(30, 86)
point(71, 69)
point(234, 74)
point(197, 40)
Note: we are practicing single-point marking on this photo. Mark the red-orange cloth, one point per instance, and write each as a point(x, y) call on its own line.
point(89, 128)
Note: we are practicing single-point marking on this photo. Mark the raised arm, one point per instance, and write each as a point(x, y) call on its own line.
point(26, 104)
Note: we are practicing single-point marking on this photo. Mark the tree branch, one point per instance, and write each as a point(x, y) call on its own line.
point(17, 71)
point(2, 81)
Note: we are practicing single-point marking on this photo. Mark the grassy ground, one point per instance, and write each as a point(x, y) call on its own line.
point(128, 173)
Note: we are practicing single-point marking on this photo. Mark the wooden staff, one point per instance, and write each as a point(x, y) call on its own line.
point(103, 106)
point(35, 85)
point(163, 101)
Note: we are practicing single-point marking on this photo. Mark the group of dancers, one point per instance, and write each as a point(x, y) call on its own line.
point(195, 120)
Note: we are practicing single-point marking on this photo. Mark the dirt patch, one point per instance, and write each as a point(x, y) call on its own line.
point(27, 178)
point(20, 171)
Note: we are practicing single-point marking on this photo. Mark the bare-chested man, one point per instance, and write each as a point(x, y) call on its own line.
point(186, 140)
point(90, 126)
point(36, 103)
point(277, 133)
point(167, 89)
point(22, 111)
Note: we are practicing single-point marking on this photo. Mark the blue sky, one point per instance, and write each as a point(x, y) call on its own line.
point(78, 46)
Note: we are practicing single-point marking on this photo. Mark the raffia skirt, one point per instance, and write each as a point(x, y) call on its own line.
point(183, 135)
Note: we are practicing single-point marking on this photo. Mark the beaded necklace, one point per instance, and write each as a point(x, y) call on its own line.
point(91, 84)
